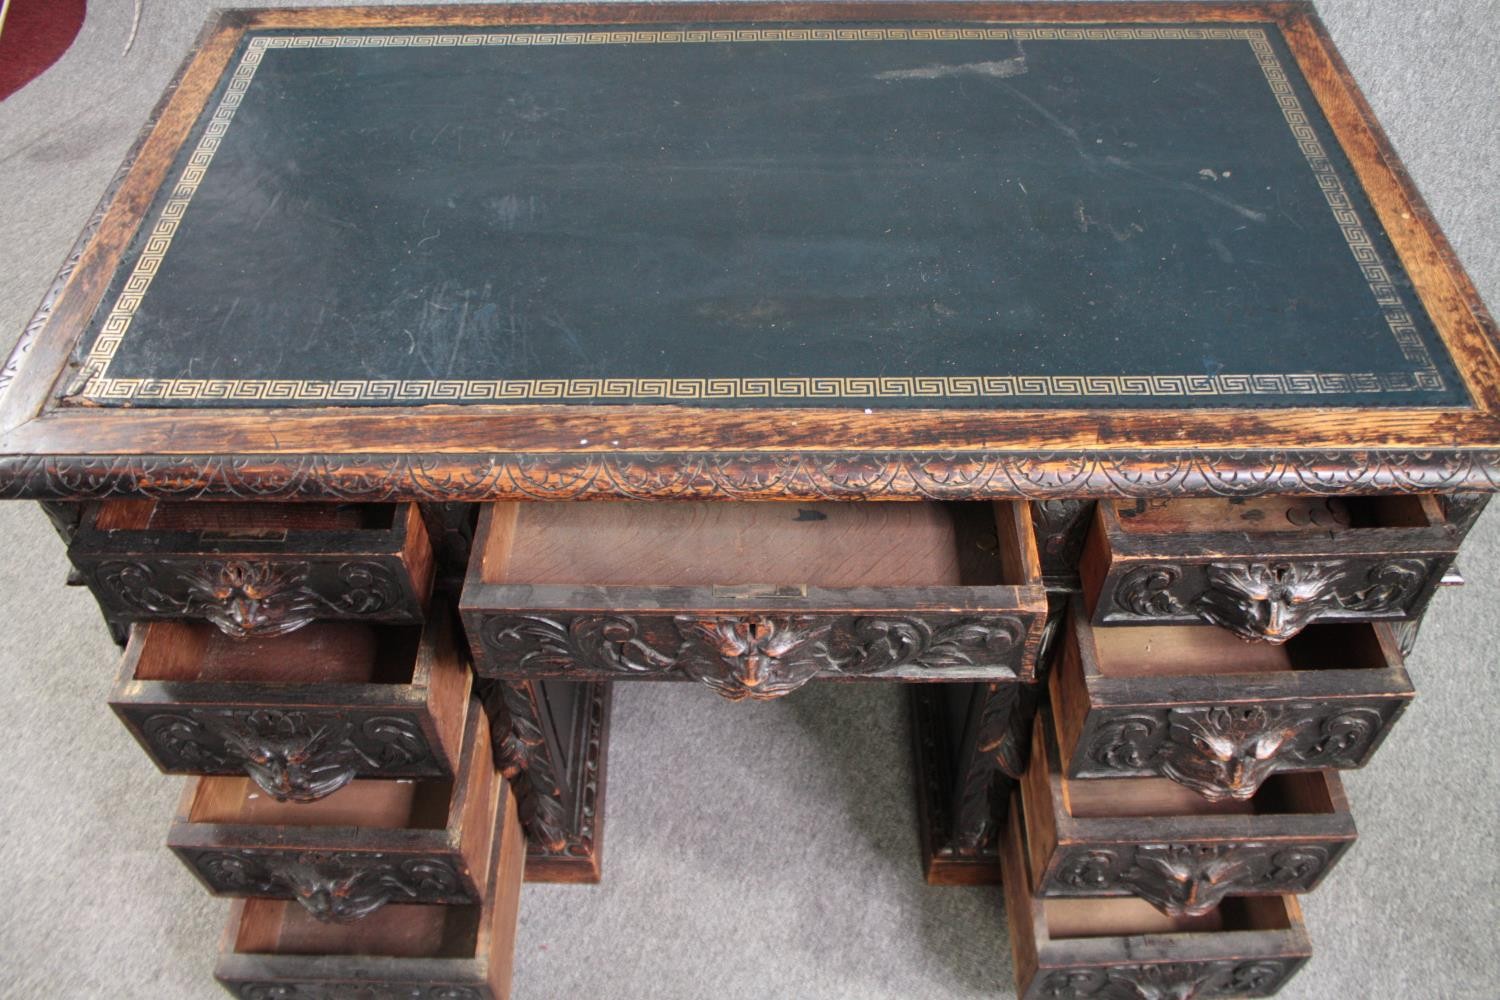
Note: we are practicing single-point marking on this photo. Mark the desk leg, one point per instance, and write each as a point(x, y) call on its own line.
point(551, 739)
point(970, 744)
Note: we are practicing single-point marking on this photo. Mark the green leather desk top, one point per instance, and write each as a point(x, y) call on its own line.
point(869, 216)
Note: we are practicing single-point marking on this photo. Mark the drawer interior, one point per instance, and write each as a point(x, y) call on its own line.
point(284, 927)
point(320, 653)
point(1183, 650)
point(392, 804)
point(1074, 919)
point(1299, 793)
point(699, 544)
point(1278, 515)
point(248, 521)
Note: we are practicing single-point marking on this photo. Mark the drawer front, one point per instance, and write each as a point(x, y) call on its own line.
point(761, 653)
point(1226, 749)
point(1198, 980)
point(1263, 586)
point(272, 951)
point(755, 600)
point(1146, 838)
point(293, 754)
point(336, 886)
point(251, 583)
point(1218, 715)
point(374, 843)
point(1127, 957)
point(1190, 876)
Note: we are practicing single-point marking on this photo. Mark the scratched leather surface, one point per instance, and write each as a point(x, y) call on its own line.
point(873, 223)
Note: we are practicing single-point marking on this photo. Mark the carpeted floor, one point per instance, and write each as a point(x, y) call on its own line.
point(753, 851)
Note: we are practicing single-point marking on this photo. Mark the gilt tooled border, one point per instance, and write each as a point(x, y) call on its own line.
point(94, 383)
point(442, 477)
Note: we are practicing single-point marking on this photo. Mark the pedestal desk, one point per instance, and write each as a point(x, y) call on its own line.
point(1187, 402)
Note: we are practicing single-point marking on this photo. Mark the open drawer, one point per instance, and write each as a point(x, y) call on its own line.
point(1156, 840)
point(342, 857)
point(1266, 567)
point(1197, 705)
point(255, 569)
point(1072, 949)
point(276, 949)
point(301, 714)
point(755, 599)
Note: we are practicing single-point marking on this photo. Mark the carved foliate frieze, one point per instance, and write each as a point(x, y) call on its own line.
point(1189, 879)
point(334, 886)
point(1272, 600)
point(295, 756)
point(1227, 751)
point(786, 475)
point(1169, 980)
point(246, 598)
point(757, 655)
point(352, 991)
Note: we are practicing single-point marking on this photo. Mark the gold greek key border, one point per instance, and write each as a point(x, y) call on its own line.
point(96, 383)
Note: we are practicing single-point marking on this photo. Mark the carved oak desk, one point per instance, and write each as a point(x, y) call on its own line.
point(1191, 403)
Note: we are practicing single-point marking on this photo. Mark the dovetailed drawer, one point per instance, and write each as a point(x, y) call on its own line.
point(255, 569)
point(755, 599)
point(275, 950)
point(344, 856)
point(1077, 949)
point(1265, 567)
point(301, 714)
point(1161, 842)
point(1218, 715)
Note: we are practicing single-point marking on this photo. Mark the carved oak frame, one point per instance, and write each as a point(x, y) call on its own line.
point(447, 453)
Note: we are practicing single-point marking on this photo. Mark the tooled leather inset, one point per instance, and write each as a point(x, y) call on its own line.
point(1273, 601)
point(339, 887)
point(293, 756)
point(1227, 751)
point(1192, 879)
point(1168, 980)
point(748, 655)
point(247, 598)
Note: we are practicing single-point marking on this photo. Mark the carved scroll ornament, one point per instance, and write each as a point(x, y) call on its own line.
point(1192, 879)
point(1169, 981)
point(1226, 752)
point(751, 655)
point(294, 756)
point(1272, 601)
point(339, 887)
point(352, 991)
point(246, 598)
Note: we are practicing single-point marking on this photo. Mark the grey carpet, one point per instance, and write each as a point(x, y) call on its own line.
point(760, 851)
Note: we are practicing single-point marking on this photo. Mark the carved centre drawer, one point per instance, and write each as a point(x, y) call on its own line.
point(301, 714)
point(1265, 567)
point(755, 600)
point(344, 856)
point(1159, 841)
point(1217, 714)
point(255, 569)
point(276, 950)
point(1076, 949)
